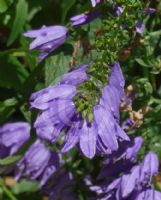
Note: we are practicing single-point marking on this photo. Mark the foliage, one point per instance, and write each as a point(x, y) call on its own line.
point(21, 74)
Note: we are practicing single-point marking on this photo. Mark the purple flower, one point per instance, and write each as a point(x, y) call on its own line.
point(95, 2)
point(131, 183)
point(84, 18)
point(38, 163)
point(150, 10)
point(47, 39)
point(12, 137)
point(61, 186)
point(140, 27)
point(123, 159)
point(58, 112)
point(118, 10)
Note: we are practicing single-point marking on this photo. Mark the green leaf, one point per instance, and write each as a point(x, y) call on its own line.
point(66, 6)
point(26, 113)
point(10, 160)
point(25, 186)
point(12, 72)
point(55, 67)
point(19, 21)
point(3, 6)
point(141, 62)
point(7, 107)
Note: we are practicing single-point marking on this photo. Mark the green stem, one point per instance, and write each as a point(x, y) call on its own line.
point(7, 191)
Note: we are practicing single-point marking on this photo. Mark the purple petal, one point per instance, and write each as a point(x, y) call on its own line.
point(105, 123)
point(128, 182)
point(95, 2)
point(40, 100)
point(76, 76)
point(88, 136)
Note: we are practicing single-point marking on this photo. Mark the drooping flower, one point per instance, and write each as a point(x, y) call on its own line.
point(95, 2)
point(58, 112)
point(47, 39)
point(12, 137)
point(123, 159)
point(38, 163)
point(84, 18)
point(130, 183)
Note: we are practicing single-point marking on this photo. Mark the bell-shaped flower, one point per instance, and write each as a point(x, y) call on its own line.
point(38, 163)
point(61, 186)
point(84, 18)
point(12, 137)
point(47, 39)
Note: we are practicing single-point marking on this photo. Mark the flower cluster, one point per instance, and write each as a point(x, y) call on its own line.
point(69, 115)
point(58, 113)
point(124, 178)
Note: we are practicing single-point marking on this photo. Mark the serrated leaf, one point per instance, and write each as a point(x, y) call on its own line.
point(19, 21)
point(10, 160)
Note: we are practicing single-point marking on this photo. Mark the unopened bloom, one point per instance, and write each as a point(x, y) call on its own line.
point(150, 10)
point(84, 18)
point(12, 137)
point(95, 2)
point(47, 39)
point(118, 9)
point(140, 27)
point(38, 163)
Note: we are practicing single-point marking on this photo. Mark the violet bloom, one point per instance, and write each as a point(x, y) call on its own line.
point(38, 163)
point(12, 137)
point(84, 18)
point(122, 160)
point(47, 39)
point(140, 27)
point(61, 186)
point(95, 2)
point(118, 10)
point(150, 11)
point(131, 184)
point(58, 112)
